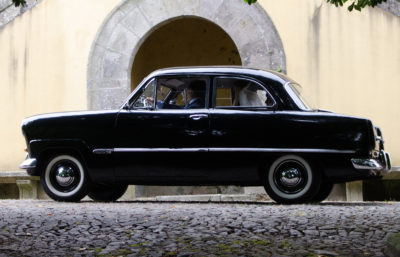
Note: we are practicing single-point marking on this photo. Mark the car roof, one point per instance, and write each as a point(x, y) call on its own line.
point(239, 70)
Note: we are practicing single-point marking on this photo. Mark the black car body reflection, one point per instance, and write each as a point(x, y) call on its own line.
point(204, 126)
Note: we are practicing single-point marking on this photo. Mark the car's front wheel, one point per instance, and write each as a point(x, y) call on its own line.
point(65, 179)
point(291, 179)
point(103, 193)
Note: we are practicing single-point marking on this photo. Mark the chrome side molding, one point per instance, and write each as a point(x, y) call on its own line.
point(103, 151)
point(135, 150)
point(282, 150)
point(222, 149)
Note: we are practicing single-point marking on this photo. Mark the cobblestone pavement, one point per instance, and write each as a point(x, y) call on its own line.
point(47, 228)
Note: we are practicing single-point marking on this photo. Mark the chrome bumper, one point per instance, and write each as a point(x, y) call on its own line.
point(366, 164)
point(382, 163)
point(380, 160)
point(28, 164)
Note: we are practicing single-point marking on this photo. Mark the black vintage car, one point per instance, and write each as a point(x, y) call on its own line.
point(204, 126)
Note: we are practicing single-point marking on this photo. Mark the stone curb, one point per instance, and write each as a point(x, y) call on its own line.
point(393, 245)
point(206, 198)
point(220, 198)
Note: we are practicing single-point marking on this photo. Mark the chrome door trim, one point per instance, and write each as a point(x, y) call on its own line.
point(132, 150)
point(285, 150)
point(221, 149)
point(103, 151)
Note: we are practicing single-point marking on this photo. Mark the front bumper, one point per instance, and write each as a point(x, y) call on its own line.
point(29, 163)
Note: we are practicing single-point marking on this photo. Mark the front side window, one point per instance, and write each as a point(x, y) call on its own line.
point(241, 93)
point(146, 98)
point(181, 93)
point(173, 93)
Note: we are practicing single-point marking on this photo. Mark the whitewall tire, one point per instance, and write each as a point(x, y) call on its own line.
point(291, 179)
point(65, 179)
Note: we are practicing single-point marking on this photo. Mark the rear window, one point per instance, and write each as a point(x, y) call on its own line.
point(294, 90)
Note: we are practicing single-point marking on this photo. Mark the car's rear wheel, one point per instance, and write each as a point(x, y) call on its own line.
point(65, 179)
point(323, 192)
point(292, 180)
point(103, 193)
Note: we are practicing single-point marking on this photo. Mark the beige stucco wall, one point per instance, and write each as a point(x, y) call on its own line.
point(43, 58)
point(346, 62)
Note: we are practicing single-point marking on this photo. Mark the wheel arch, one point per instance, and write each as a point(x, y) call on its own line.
point(316, 162)
point(42, 150)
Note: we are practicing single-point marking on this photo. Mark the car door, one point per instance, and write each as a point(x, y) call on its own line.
point(241, 126)
point(161, 138)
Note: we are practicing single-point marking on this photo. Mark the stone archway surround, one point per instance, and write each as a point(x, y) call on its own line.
point(132, 21)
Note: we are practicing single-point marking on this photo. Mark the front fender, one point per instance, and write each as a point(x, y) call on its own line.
point(42, 149)
point(38, 146)
point(98, 166)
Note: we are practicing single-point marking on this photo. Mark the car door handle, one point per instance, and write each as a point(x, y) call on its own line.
point(198, 116)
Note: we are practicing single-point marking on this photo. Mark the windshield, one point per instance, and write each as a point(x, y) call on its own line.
point(294, 91)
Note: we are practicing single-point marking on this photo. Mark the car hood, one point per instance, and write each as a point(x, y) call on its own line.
point(64, 115)
point(67, 124)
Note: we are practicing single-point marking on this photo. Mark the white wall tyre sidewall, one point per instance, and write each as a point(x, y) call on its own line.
point(275, 189)
point(48, 180)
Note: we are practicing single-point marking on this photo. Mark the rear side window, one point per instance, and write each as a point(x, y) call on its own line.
point(241, 93)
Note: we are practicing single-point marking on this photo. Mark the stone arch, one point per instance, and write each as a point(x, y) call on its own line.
point(132, 21)
point(184, 41)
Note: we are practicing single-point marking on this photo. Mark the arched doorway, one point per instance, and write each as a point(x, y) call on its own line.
point(132, 22)
point(189, 41)
point(139, 36)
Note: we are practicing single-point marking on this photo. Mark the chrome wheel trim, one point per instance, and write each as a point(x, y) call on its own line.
point(288, 179)
point(66, 181)
point(65, 176)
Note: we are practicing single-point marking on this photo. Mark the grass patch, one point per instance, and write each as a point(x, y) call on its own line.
point(285, 245)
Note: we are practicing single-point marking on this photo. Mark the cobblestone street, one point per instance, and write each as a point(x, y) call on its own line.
point(48, 228)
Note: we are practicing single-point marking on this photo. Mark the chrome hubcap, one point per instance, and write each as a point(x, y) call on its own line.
point(290, 177)
point(65, 176)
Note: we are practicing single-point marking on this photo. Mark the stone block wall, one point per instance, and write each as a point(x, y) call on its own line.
point(9, 12)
